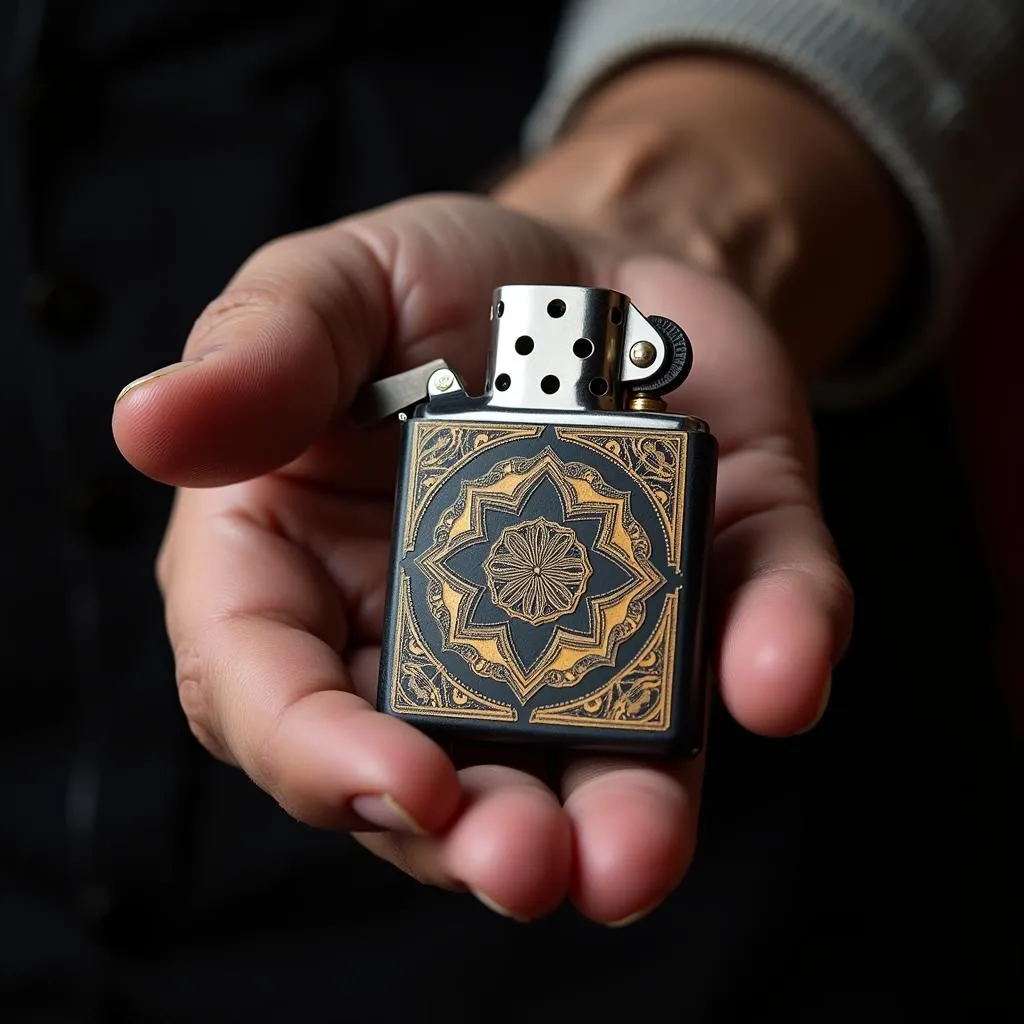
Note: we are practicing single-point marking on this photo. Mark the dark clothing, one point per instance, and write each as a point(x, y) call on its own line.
point(146, 148)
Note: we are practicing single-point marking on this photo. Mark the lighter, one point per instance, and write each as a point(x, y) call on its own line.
point(551, 537)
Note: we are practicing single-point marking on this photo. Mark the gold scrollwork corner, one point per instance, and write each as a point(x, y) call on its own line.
point(439, 450)
point(419, 683)
point(656, 460)
point(637, 698)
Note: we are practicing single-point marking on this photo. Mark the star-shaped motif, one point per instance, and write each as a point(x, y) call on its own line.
point(553, 643)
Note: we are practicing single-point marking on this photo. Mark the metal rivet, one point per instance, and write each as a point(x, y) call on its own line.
point(444, 380)
point(642, 354)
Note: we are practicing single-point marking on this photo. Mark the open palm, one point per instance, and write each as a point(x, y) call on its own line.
point(274, 565)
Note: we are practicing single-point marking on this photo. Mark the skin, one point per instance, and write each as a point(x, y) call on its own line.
point(721, 194)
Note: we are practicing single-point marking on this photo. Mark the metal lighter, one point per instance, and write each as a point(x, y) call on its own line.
point(551, 537)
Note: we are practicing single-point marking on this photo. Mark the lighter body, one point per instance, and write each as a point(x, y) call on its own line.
point(549, 569)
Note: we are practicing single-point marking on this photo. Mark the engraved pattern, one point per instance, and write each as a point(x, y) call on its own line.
point(658, 461)
point(614, 617)
point(420, 684)
point(537, 571)
point(637, 698)
point(439, 450)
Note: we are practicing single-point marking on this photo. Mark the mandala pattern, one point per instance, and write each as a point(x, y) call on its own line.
point(489, 647)
point(537, 571)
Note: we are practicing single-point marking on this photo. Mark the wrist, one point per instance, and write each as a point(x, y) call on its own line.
point(742, 173)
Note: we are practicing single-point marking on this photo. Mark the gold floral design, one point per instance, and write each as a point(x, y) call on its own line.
point(537, 571)
point(656, 461)
point(637, 698)
point(439, 450)
point(421, 686)
point(568, 654)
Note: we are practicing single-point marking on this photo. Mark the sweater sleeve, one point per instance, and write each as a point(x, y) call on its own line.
point(934, 87)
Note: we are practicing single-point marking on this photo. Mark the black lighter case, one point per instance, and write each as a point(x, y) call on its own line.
point(549, 567)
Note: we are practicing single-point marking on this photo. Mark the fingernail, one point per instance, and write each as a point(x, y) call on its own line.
point(625, 922)
point(497, 907)
point(162, 372)
point(386, 812)
point(826, 694)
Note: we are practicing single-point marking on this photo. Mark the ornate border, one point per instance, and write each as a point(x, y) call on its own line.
point(637, 698)
point(419, 683)
point(568, 656)
point(438, 451)
point(657, 460)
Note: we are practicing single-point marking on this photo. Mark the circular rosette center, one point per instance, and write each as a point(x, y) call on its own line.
point(537, 571)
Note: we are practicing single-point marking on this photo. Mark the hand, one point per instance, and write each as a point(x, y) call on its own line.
point(273, 568)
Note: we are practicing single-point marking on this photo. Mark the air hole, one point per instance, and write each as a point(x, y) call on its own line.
point(550, 384)
point(599, 386)
point(556, 308)
point(615, 314)
point(524, 345)
point(501, 308)
point(583, 347)
point(502, 382)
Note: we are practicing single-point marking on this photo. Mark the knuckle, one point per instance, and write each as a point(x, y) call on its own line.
point(165, 556)
point(700, 248)
point(234, 304)
point(397, 852)
point(272, 755)
point(269, 766)
point(825, 580)
point(194, 697)
point(838, 587)
point(211, 744)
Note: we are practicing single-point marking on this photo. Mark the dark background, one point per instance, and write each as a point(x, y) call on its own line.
point(145, 150)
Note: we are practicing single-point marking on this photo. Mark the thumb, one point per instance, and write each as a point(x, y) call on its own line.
point(279, 356)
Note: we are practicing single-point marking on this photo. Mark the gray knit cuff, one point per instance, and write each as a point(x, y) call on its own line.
point(859, 58)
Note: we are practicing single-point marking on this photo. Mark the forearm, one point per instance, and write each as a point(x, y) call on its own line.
point(735, 168)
